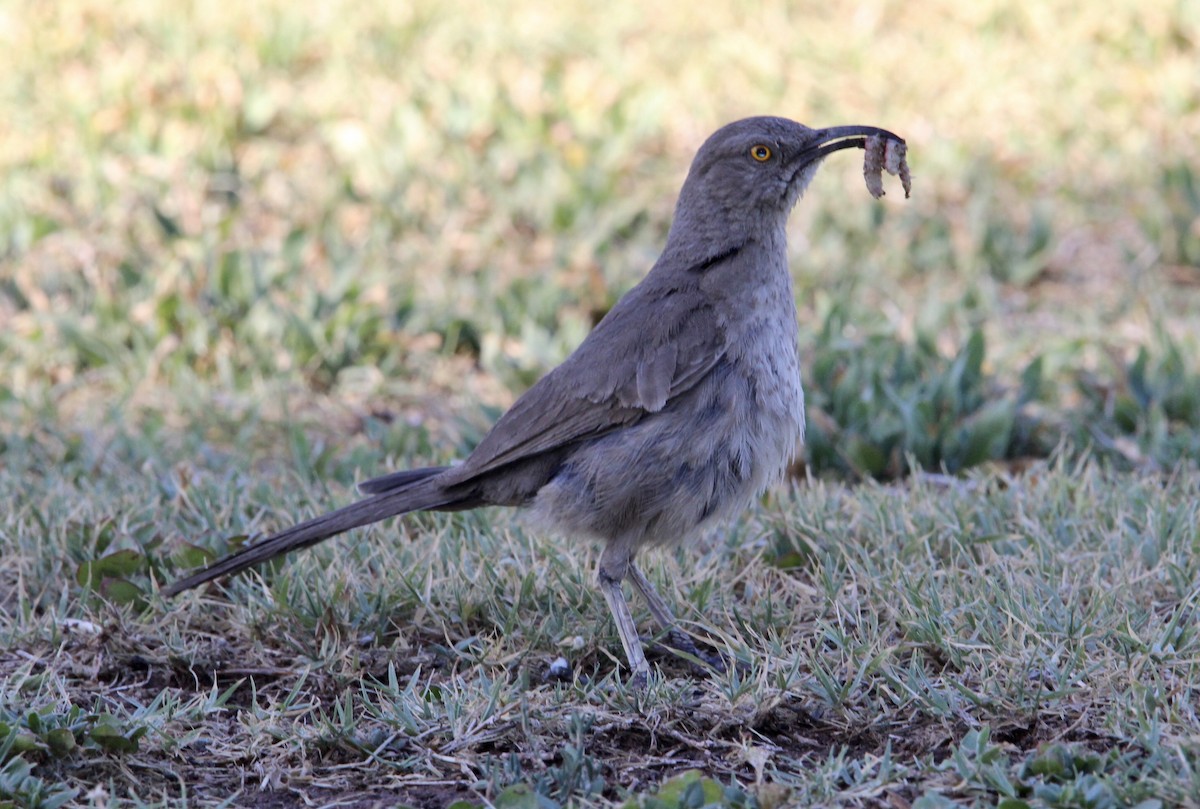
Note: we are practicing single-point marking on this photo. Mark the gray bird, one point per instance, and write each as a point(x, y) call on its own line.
point(677, 410)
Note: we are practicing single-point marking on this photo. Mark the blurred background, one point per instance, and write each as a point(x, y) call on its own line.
point(382, 221)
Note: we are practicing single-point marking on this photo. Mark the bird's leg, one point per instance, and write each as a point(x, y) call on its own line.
point(662, 614)
point(658, 608)
point(614, 565)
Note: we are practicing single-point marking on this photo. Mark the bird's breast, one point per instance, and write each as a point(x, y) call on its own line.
point(767, 358)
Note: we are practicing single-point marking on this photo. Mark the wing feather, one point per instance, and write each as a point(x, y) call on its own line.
point(623, 371)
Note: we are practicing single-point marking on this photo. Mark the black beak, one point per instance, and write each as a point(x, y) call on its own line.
point(827, 141)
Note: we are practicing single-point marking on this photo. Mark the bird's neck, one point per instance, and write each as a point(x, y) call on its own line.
point(694, 241)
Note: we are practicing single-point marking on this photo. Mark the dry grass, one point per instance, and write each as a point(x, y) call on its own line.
point(1054, 608)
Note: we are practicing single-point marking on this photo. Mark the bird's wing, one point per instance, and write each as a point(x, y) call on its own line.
point(656, 344)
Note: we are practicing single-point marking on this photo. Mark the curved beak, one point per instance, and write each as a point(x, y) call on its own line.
point(835, 138)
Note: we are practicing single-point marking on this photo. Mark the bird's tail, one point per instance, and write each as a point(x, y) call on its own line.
point(399, 480)
point(395, 500)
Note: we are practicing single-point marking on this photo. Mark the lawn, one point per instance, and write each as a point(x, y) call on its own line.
point(250, 255)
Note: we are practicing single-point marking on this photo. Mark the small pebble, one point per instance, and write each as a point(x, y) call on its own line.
point(559, 669)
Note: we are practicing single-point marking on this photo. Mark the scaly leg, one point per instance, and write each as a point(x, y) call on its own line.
point(658, 607)
point(614, 564)
point(662, 614)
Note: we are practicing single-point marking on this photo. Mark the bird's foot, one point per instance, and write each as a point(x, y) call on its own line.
point(712, 661)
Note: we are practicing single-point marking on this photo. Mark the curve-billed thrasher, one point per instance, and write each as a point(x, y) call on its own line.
point(680, 407)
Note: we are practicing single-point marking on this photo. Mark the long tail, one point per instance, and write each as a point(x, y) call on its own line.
point(401, 500)
point(399, 480)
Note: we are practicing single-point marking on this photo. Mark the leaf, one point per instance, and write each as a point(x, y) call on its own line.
point(1053, 762)
point(189, 556)
point(790, 560)
point(867, 459)
point(523, 796)
point(123, 593)
point(23, 742)
point(56, 800)
point(61, 741)
point(108, 734)
point(1031, 381)
point(118, 565)
point(934, 800)
point(975, 349)
point(685, 789)
point(985, 435)
point(1139, 385)
point(111, 741)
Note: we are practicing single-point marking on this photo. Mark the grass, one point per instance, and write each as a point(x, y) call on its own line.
point(918, 639)
point(249, 257)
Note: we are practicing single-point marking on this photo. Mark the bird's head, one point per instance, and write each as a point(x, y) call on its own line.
point(749, 174)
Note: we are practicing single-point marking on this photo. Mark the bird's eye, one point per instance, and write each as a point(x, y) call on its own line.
point(760, 153)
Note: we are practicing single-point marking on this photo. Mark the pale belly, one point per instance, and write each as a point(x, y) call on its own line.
point(702, 459)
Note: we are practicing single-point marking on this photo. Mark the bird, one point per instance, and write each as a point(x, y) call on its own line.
point(682, 405)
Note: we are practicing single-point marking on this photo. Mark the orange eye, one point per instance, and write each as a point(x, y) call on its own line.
point(760, 153)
